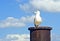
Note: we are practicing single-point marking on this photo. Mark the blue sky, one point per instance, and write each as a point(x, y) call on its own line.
point(16, 15)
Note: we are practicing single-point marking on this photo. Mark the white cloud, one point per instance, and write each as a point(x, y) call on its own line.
point(55, 37)
point(16, 37)
point(48, 5)
point(16, 22)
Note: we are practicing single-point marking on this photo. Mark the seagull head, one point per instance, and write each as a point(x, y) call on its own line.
point(37, 12)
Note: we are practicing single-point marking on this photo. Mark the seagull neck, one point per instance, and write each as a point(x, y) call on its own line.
point(37, 14)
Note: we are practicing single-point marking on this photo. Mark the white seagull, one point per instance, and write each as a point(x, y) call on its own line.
point(37, 19)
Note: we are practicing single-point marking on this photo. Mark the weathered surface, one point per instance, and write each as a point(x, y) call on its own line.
point(40, 33)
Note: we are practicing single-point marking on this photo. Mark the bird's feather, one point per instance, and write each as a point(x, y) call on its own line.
point(37, 19)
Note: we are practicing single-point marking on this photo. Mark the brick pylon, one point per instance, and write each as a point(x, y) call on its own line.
point(40, 34)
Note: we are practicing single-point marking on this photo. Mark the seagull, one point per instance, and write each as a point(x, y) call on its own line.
point(37, 19)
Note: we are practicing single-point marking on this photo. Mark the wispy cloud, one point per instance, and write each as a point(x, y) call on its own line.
point(16, 22)
point(55, 37)
point(16, 37)
point(47, 5)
